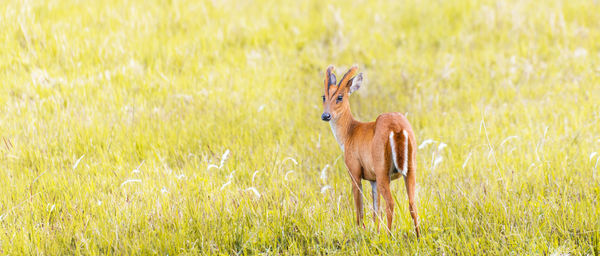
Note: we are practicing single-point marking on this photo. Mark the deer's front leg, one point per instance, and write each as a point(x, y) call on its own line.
point(355, 179)
point(358, 203)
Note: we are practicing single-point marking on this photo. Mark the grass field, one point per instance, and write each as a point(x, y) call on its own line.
point(185, 127)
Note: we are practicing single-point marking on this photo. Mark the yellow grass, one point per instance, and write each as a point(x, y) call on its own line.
point(116, 117)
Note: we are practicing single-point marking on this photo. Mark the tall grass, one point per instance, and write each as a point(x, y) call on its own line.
point(184, 127)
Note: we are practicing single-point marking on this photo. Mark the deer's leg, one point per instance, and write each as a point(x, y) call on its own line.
point(355, 179)
point(358, 203)
point(375, 204)
point(383, 188)
point(410, 182)
point(381, 153)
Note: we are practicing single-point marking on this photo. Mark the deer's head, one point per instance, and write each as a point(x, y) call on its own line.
point(335, 100)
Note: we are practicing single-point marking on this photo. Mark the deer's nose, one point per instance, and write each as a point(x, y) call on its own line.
point(326, 116)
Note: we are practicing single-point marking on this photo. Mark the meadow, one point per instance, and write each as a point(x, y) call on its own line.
point(193, 127)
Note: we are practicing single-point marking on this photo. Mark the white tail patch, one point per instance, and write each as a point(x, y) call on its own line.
point(394, 154)
point(405, 166)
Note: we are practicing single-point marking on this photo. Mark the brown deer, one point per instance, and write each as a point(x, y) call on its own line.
point(379, 151)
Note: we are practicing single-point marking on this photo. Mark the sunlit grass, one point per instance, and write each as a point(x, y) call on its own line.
point(184, 127)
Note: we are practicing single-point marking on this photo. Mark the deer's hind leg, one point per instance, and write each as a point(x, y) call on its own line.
point(410, 180)
point(383, 188)
point(382, 167)
point(375, 197)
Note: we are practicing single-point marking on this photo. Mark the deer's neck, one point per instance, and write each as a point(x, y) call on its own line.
point(342, 126)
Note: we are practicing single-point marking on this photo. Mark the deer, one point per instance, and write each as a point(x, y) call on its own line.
point(379, 151)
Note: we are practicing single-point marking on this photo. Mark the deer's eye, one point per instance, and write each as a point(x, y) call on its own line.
point(340, 98)
point(323, 98)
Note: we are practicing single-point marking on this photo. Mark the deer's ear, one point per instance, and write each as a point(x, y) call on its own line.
point(344, 83)
point(330, 77)
point(355, 83)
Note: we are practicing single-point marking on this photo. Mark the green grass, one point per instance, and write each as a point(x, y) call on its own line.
point(170, 86)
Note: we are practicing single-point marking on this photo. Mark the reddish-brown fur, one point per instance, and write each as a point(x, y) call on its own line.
point(367, 147)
